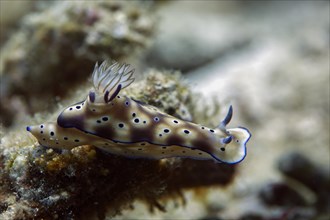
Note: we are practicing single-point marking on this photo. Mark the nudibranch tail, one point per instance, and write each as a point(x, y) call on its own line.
point(124, 126)
point(51, 135)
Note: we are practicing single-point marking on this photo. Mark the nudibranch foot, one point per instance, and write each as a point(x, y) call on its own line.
point(123, 126)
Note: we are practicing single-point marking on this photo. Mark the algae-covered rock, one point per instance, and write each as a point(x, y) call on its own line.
point(165, 90)
point(55, 48)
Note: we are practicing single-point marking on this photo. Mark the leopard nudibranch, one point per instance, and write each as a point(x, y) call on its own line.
point(124, 126)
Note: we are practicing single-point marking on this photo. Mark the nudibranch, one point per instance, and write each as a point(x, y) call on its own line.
point(124, 126)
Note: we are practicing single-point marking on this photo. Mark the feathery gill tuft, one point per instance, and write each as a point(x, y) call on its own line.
point(107, 78)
